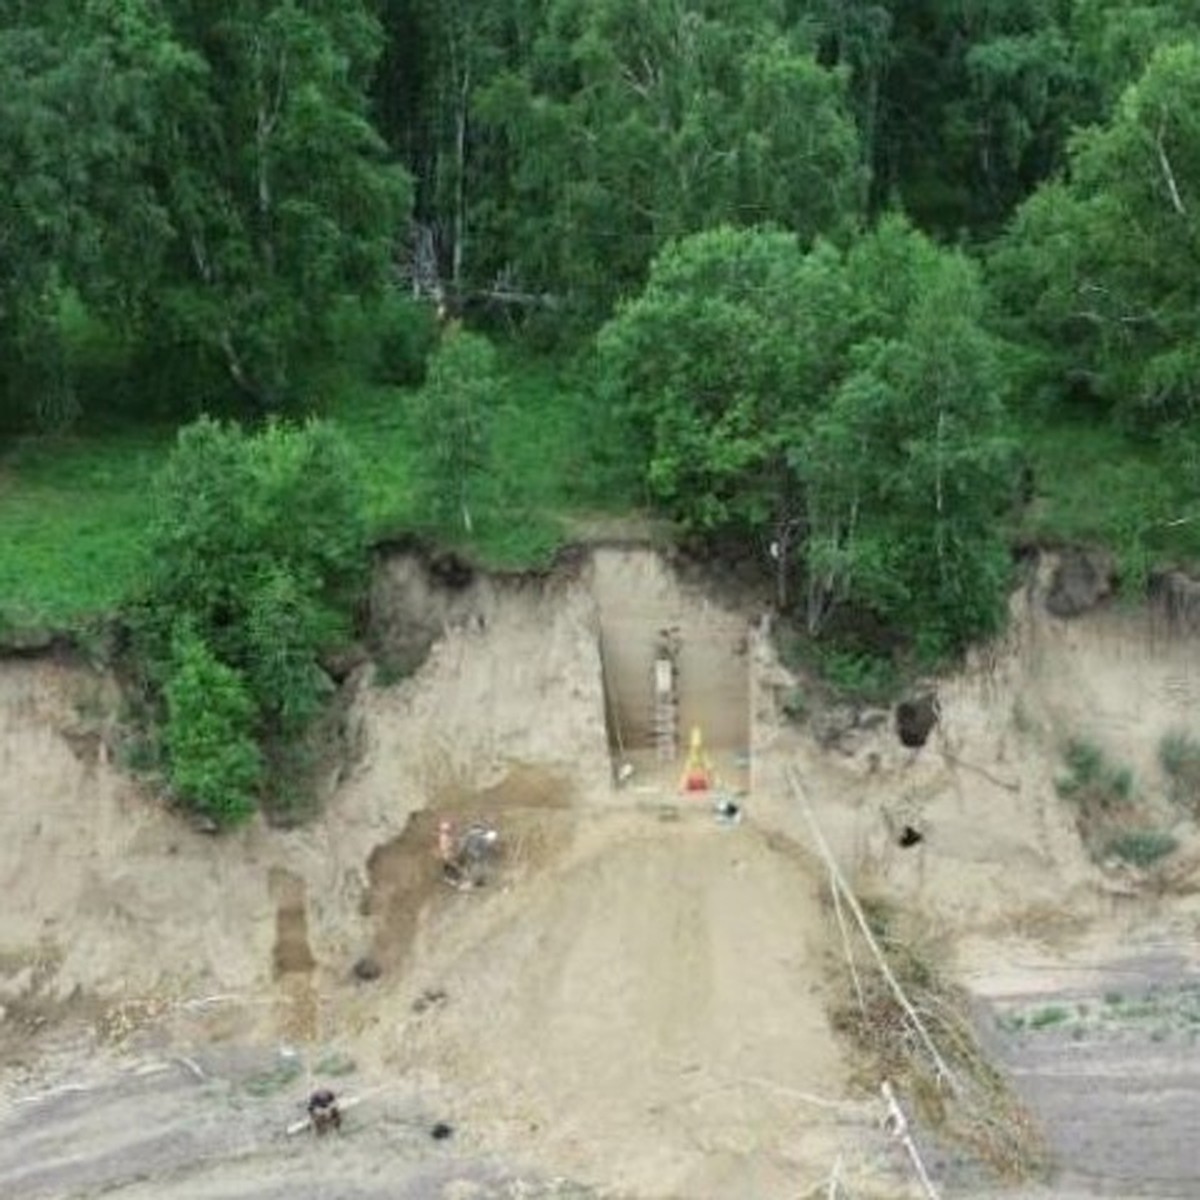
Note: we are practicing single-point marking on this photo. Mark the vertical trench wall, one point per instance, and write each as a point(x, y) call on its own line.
point(638, 596)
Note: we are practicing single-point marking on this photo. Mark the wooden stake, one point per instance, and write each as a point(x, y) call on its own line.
point(897, 1125)
point(835, 1186)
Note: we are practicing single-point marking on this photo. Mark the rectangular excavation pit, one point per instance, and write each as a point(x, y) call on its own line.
point(706, 672)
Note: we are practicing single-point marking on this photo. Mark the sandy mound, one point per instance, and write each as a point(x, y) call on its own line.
point(652, 1014)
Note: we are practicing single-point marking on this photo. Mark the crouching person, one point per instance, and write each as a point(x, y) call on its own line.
point(323, 1111)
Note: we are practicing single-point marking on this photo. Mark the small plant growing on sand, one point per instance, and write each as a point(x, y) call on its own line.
point(1179, 757)
point(1092, 781)
point(1052, 1014)
point(1142, 847)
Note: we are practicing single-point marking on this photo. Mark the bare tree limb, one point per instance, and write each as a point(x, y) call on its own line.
point(1165, 163)
point(897, 1125)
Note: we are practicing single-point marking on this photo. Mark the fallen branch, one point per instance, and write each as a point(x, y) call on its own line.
point(942, 1071)
point(855, 1108)
point(834, 1179)
point(66, 1089)
point(220, 998)
point(805, 1097)
point(1168, 174)
point(841, 920)
point(954, 760)
point(192, 1066)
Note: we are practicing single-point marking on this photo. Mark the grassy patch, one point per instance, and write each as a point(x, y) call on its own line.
point(267, 1083)
point(1095, 484)
point(1142, 847)
point(1052, 1014)
point(842, 672)
point(1092, 782)
point(72, 516)
point(335, 1065)
point(1179, 756)
point(73, 508)
point(549, 452)
point(1112, 821)
point(1157, 1012)
point(858, 675)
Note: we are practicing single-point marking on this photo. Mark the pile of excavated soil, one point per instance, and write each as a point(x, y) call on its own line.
point(652, 1013)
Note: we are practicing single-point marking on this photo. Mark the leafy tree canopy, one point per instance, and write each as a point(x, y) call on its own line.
point(205, 177)
point(844, 406)
point(1100, 268)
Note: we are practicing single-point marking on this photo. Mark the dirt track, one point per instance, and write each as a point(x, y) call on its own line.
point(156, 1129)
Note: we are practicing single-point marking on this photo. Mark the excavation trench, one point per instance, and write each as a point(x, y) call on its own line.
point(673, 665)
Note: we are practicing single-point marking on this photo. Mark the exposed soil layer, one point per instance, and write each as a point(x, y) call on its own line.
point(639, 999)
point(405, 873)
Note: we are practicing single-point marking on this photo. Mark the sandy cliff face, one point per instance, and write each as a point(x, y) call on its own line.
point(641, 997)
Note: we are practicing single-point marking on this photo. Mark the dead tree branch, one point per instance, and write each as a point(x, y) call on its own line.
point(1165, 163)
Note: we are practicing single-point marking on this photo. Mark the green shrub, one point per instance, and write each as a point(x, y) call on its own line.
point(250, 531)
point(1052, 1014)
point(1142, 847)
point(386, 340)
point(1179, 756)
point(257, 549)
point(859, 675)
point(1092, 781)
point(140, 753)
point(214, 765)
point(407, 333)
point(285, 627)
point(795, 705)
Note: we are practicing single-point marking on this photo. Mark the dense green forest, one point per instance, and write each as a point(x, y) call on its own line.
point(879, 290)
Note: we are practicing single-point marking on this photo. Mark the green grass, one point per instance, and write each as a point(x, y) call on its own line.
point(1091, 780)
point(1179, 757)
point(1052, 1014)
point(1143, 847)
point(267, 1083)
point(374, 419)
point(73, 509)
point(1095, 484)
point(548, 462)
point(72, 512)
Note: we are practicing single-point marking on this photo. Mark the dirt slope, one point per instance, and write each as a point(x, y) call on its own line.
point(653, 1011)
point(637, 1003)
